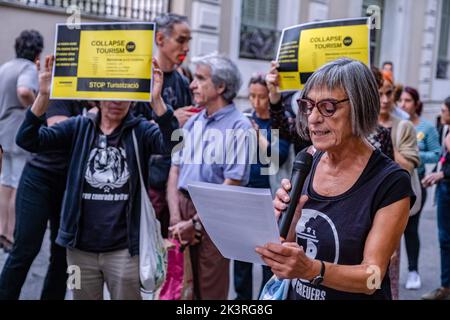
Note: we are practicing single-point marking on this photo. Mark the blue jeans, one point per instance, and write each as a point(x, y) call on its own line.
point(443, 213)
point(39, 198)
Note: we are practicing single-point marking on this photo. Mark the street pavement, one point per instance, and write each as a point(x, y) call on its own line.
point(428, 263)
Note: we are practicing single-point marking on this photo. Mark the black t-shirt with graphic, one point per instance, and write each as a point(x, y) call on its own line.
point(106, 192)
point(177, 94)
point(335, 229)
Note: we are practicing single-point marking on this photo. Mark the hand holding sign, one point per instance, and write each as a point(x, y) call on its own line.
point(157, 104)
point(40, 105)
point(104, 62)
point(45, 77)
point(273, 82)
point(305, 48)
point(158, 80)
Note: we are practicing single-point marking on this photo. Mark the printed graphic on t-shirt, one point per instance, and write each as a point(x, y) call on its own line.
point(313, 230)
point(107, 170)
point(309, 237)
point(169, 96)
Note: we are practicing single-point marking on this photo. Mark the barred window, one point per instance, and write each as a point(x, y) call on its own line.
point(259, 29)
point(444, 43)
point(143, 10)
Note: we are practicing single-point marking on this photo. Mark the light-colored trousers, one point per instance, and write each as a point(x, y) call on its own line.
point(117, 269)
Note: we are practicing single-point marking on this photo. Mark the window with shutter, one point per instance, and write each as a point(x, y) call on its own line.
point(444, 43)
point(259, 29)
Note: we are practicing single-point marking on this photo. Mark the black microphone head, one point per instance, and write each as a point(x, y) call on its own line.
point(303, 161)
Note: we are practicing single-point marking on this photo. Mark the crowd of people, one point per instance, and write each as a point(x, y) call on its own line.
point(72, 165)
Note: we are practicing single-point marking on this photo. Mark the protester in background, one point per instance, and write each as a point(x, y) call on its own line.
point(39, 199)
point(101, 209)
point(388, 66)
point(429, 151)
point(381, 138)
point(406, 154)
point(261, 120)
point(357, 200)
point(441, 178)
point(396, 93)
point(283, 110)
point(216, 83)
point(172, 40)
point(18, 89)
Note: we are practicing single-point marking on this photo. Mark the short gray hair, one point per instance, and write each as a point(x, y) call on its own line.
point(223, 72)
point(358, 82)
point(166, 22)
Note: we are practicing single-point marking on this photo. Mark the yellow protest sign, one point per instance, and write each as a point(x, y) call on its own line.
point(103, 61)
point(305, 48)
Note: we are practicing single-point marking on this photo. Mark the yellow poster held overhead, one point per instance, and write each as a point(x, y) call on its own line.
point(305, 48)
point(103, 61)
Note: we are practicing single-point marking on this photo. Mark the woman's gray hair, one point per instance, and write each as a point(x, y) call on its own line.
point(358, 82)
point(223, 72)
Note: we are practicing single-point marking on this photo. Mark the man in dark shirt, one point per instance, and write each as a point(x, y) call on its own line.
point(172, 39)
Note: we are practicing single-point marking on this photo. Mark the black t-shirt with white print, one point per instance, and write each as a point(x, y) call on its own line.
point(105, 196)
point(335, 229)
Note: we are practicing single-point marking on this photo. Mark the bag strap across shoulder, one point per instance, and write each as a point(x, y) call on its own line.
point(138, 159)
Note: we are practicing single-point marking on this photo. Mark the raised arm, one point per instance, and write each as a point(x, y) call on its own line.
point(33, 135)
point(159, 139)
point(40, 105)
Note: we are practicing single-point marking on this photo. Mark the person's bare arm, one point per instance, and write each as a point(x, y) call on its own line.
point(289, 261)
point(40, 105)
point(26, 96)
point(232, 182)
point(158, 105)
point(273, 83)
point(382, 241)
point(172, 195)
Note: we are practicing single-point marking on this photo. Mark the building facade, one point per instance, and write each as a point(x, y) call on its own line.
point(414, 35)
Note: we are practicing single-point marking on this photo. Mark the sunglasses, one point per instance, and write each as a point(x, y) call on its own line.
point(327, 107)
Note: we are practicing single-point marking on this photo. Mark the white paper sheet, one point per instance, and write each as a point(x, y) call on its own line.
point(237, 219)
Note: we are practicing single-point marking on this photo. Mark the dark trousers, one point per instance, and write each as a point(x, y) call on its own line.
point(412, 240)
point(39, 198)
point(243, 279)
point(159, 202)
point(443, 213)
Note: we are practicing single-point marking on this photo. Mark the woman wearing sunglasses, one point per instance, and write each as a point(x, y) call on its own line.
point(355, 201)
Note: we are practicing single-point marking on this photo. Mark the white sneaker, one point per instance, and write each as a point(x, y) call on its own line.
point(413, 282)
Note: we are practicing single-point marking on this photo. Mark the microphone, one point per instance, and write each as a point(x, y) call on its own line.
point(302, 166)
